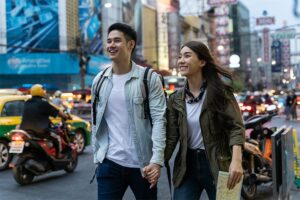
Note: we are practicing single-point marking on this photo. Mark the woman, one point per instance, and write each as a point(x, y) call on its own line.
point(205, 118)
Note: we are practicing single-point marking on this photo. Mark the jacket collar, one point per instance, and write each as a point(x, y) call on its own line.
point(134, 72)
point(179, 100)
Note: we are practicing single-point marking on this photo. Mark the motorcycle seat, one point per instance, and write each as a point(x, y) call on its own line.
point(252, 141)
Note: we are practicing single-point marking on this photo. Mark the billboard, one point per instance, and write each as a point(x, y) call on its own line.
point(90, 26)
point(32, 25)
point(132, 15)
point(38, 63)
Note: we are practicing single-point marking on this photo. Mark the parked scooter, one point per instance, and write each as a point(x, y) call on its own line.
point(37, 156)
point(257, 156)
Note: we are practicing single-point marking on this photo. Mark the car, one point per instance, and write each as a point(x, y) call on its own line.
point(11, 108)
point(9, 91)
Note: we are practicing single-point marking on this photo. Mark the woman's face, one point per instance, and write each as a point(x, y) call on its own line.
point(189, 63)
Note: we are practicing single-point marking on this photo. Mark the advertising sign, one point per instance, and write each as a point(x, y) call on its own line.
point(2, 27)
point(97, 64)
point(32, 25)
point(284, 34)
point(132, 15)
point(261, 21)
point(266, 45)
point(39, 63)
point(220, 2)
point(276, 52)
point(90, 26)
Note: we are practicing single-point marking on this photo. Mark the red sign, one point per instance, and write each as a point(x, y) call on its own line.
point(265, 21)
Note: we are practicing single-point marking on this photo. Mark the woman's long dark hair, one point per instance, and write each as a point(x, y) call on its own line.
point(212, 72)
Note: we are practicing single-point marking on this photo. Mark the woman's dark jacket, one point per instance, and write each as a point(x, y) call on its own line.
point(221, 129)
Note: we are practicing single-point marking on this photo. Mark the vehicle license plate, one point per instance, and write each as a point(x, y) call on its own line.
point(246, 114)
point(16, 146)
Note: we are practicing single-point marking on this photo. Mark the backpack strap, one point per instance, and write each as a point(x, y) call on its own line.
point(146, 78)
point(97, 91)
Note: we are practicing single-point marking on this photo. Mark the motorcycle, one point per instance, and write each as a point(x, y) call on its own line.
point(36, 156)
point(257, 155)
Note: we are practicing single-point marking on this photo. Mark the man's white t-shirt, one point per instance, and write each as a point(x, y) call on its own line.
point(121, 148)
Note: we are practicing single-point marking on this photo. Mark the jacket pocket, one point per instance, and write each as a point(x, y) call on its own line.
point(223, 162)
point(139, 107)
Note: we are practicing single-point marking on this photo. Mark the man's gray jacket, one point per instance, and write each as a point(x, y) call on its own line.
point(149, 140)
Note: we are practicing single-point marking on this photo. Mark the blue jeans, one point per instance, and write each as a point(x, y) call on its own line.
point(197, 178)
point(114, 179)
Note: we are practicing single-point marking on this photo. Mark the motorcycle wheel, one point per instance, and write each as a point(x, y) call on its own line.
point(22, 176)
point(5, 156)
point(249, 187)
point(71, 166)
point(79, 141)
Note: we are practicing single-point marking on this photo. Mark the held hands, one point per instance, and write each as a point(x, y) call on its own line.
point(235, 173)
point(152, 173)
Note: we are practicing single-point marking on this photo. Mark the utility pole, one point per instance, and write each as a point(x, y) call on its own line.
point(83, 62)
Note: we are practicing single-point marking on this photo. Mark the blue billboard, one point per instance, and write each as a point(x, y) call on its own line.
point(39, 63)
point(90, 26)
point(32, 25)
point(97, 64)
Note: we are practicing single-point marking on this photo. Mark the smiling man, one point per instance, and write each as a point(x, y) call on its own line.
point(128, 149)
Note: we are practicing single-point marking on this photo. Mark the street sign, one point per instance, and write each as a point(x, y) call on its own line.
point(220, 2)
point(288, 34)
point(262, 21)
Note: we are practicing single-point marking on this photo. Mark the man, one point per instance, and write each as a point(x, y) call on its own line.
point(36, 113)
point(128, 149)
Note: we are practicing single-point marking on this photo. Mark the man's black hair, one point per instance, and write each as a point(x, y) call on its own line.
point(128, 31)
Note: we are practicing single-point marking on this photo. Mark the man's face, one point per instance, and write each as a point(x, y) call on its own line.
point(117, 47)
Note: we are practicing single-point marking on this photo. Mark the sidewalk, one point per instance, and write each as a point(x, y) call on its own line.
point(295, 193)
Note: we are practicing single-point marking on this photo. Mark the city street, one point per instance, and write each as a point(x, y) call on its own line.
point(76, 186)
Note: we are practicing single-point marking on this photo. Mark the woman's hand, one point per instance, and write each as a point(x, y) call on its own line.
point(235, 168)
point(235, 173)
point(152, 173)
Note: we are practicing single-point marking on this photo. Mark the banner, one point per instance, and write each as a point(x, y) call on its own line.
point(32, 25)
point(132, 15)
point(39, 63)
point(97, 64)
point(91, 26)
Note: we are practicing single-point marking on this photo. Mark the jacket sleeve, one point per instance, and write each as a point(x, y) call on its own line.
point(157, 104)
point(172, 130)
point(95, 146)
point(236, 126)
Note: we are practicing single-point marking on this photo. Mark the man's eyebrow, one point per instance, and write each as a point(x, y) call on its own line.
point(113, 38)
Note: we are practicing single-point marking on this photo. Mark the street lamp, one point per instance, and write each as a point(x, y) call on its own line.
point(108, 5)
point(234, 61)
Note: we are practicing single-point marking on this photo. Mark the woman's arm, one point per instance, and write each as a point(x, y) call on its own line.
point(235, 168)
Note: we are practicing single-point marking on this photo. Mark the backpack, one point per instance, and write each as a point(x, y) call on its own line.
point(145, 93)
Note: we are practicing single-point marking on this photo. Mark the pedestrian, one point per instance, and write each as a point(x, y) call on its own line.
point(288, 105)
point(205, 118)
point(128, 149)
point(294, 105)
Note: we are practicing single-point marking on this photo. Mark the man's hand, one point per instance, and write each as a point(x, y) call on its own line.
point(152, 173)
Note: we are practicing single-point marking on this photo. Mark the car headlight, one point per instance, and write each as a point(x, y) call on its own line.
point(88, 126)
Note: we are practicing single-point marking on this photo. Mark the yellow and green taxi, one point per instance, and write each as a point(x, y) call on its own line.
point(11, 108)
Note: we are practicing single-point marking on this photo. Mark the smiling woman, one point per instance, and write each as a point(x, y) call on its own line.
point(205, 118)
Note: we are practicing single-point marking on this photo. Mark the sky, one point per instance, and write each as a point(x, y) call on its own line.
point(282, 10)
